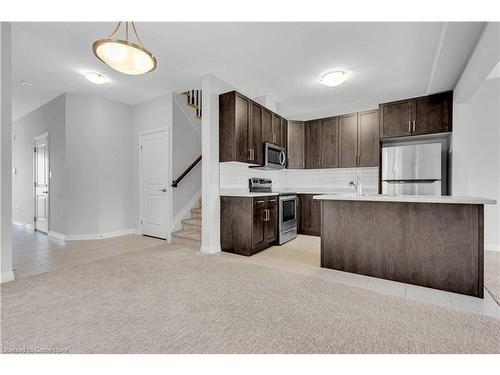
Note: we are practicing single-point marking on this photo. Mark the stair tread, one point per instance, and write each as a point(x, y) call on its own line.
point(192, 221)
point(196, 210)
point(192, 235)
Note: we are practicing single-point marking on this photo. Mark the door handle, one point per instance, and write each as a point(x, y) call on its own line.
point(414, 126)
point(282, 157)
point(163, 190)
point(409, 126)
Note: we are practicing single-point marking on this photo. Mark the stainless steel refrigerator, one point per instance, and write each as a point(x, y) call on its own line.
point(415, 168)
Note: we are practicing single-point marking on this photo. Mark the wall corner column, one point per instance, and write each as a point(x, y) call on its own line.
point(5, 153)
point(210, 235)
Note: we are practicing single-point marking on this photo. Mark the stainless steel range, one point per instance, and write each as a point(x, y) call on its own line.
point(287, 217)
point(287, 210)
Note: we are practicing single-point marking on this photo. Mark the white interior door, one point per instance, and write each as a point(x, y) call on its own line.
point(155, 186)
point(41, 182)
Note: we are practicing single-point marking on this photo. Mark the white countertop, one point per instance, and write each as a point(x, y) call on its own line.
point(243, 193)
point(236, 192)
point(448, 199)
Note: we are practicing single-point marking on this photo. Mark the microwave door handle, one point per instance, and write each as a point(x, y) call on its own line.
point(282, 157)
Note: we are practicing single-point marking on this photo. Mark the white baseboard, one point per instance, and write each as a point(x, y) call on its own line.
point(57, 235)
point(492, 246)
point(99, 236)
point(210, 249)
point(118, 233)
point(185, 211)
point(25, 225)
point(7, 276)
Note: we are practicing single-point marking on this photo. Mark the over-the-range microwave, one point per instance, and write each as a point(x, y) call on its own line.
point(274, 157)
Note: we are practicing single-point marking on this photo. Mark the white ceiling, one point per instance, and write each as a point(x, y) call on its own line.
point(283, 61)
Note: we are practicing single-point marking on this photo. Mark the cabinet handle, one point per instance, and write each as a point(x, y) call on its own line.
point(414, 126)
point(258, 202)
point(409, 126)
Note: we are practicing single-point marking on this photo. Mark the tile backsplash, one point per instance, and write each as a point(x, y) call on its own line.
point(234, 175)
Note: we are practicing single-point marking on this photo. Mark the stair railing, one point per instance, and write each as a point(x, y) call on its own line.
point(188, 169)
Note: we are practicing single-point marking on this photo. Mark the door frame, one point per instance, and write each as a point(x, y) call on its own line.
point(169, 176)
point(35, 138)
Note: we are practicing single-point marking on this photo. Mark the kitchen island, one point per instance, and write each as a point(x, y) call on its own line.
point(431, 241)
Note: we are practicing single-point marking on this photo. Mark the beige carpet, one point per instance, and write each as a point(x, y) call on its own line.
point(492, 273)
point(173, 300)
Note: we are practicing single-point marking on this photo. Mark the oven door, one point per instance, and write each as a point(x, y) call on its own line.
point(287, 218)
point(275, 156)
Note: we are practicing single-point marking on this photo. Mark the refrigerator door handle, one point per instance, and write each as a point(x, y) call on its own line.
point(415, 181)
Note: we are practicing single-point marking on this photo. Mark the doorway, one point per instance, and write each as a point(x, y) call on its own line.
point(41, 182)
point(155, 189)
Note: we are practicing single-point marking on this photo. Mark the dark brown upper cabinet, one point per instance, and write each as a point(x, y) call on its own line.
point(348, 140)
point(296, 144)
point(329, 143)
point(368, 139)
point(312, 146)
point(279, 131)
point(395, 119)
point(422, 115)
point(283, 133)
point(255, 134)
point(234, 123)
point(243, 127)
point(432, 114)
point(267, 125)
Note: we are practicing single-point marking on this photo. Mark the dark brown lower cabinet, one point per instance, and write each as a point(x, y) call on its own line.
point(310, 215)
point(248, 224)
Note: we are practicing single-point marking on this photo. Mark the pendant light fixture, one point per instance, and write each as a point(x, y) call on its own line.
point(123, 55)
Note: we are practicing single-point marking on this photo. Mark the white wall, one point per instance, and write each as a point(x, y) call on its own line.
point(5, 154)
point(100, 163)
point(94, 160)
point(476, 154)
point(172, 112)
point(186, 149)
point(211, 87)
point(476, 131)
point(48, 118)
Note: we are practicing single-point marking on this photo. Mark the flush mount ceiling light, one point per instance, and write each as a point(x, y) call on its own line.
point(123, 55)
point(334, 78)
point(96, 78)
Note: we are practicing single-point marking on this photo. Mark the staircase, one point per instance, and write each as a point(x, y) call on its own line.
point(190, 234)
point(194, 99)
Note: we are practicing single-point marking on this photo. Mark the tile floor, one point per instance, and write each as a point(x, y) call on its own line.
point(35, 252)
point(302, 255)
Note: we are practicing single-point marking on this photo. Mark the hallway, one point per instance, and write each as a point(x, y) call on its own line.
point(34, 252)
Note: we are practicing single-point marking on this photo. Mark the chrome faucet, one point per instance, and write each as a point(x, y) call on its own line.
point(358, 185)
